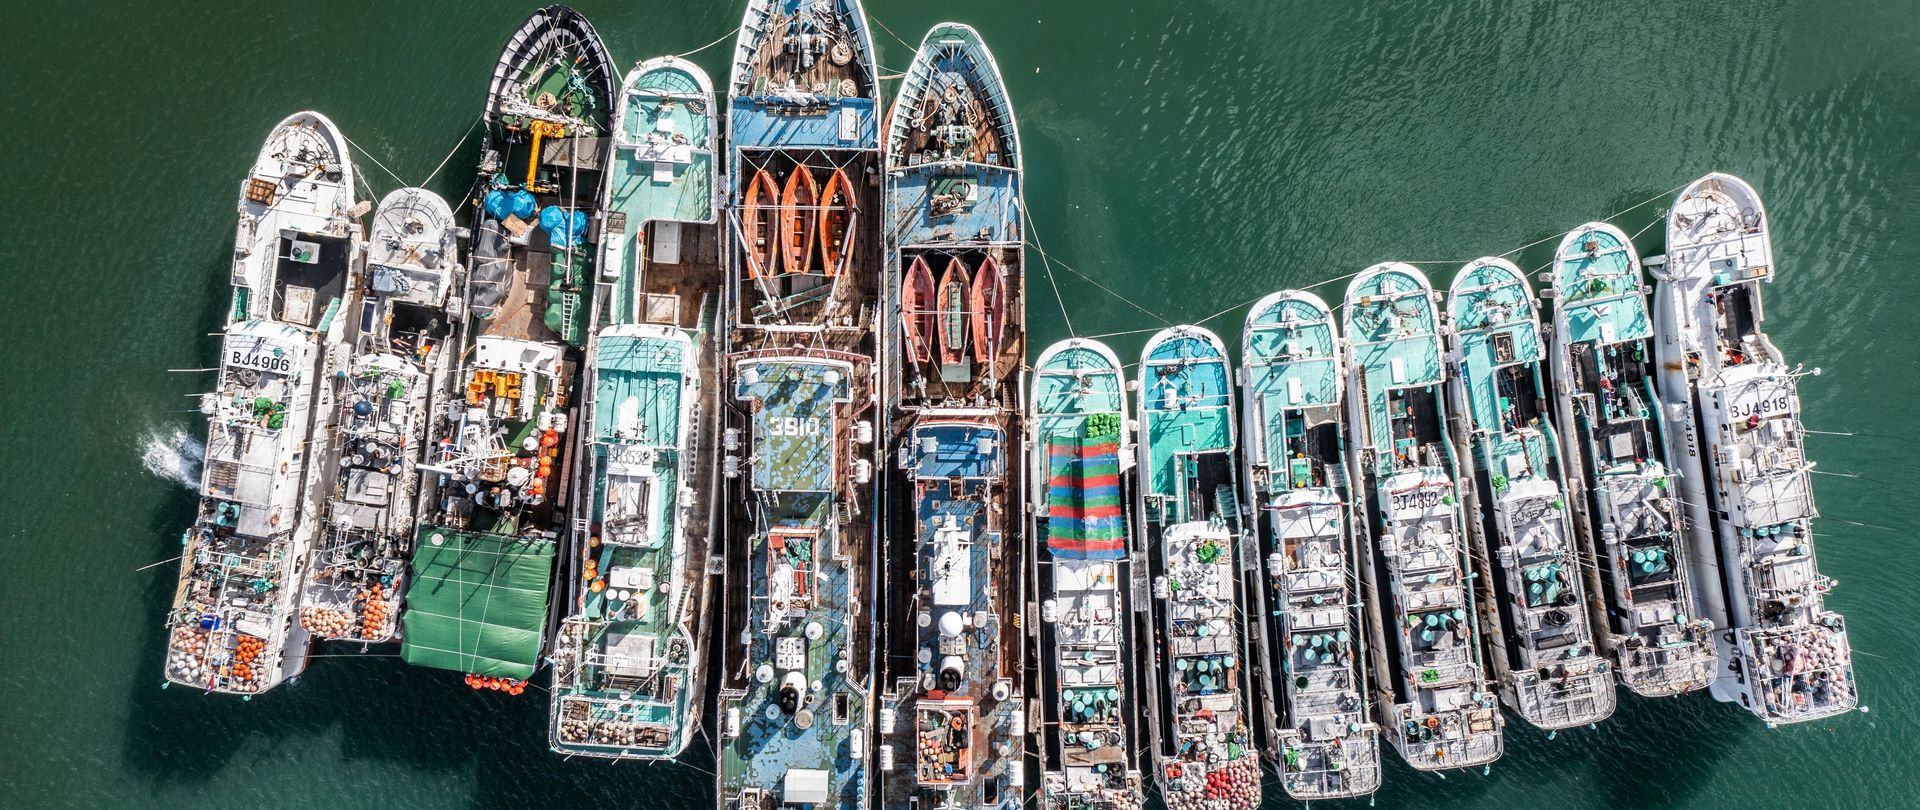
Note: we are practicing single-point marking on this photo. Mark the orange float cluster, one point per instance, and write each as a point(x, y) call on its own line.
point(375, 616)
point(507, 685)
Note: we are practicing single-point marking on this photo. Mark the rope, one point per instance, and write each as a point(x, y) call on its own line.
point(456, 148)
point(1048, 267)
point(723, 38)
point(1251, 301)
point(1089, 279)
point(1608, 218)
point(1122, 334)
point(376, 161)
point(883, 25)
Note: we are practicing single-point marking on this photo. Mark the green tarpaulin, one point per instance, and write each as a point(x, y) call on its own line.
point(478, 603)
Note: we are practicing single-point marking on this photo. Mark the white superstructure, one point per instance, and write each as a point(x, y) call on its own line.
point(1744, 475)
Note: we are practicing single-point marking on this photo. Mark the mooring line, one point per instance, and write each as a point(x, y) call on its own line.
point(456, 148)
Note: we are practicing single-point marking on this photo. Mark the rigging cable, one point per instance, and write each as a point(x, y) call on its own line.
point(1048, 266)
point(883, 25)
point(723, 38)
point(376, 161)
point(1089, 279)
point(1607, 218)
point(456, 148)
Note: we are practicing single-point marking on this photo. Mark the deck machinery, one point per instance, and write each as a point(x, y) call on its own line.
point(504, 450)
point(1199, 701)
point(1745, 478)
point(953, 731)
point(1310, 636)
point(1080, 464)
point(1613, 432)
point(1435, 704)
point(297, 258)
point(629, 661)
point(1547, 662)
point(800, 328)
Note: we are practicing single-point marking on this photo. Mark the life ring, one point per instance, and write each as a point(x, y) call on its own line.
point(274, 519)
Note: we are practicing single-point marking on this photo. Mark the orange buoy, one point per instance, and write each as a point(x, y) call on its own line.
point(599, 585)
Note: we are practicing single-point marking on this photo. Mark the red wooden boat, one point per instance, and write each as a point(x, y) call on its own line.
point(757, 220)
point(952, 303)
point(798, 218)
point(988, 306)
point(919, 317)
point(836, 224)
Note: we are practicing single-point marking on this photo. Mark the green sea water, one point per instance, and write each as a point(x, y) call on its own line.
point(1189, 155)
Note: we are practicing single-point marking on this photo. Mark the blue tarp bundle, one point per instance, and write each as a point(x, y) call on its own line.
point(564, 228)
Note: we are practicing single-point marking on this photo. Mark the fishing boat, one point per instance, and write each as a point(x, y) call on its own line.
point(1309, 631)
point(297, 254)
point(1738, 445)
point(629, 656)
point(1199, 709)
point(1081, 453)
point(1419, 578)
point(1612, 435)
point(802, 519)
point(1550, 669)
point(953, 705)
point(399, 371)
point(483, 561)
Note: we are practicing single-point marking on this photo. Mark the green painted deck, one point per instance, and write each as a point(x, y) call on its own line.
point(661, 103)
point(1188, 411)
point(478, 603)
point(1073, 383)
point(567, 290)
point(637, 389)
point(1392, 325)
point(1497, 326)
point(1600, 291)
point(1291, 365)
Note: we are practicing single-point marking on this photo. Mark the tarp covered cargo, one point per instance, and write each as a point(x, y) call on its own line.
point(478, 603)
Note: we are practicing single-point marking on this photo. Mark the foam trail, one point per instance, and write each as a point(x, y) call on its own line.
point(170, 453)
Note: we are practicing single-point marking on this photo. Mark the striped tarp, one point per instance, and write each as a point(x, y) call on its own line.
point(1084, 520)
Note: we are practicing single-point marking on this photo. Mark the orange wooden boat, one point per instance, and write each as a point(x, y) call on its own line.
point(836, 224)
point(798, 218)
point(757, 221)
point(918, 312)
point(988, 306)
point(952, 303)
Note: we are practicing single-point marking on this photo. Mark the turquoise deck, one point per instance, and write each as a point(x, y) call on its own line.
point(1490, 304)
point(1291, 365)
point(1187, 412)
point(662, 168)
point(660, 102)
point(638, 402)
point(1391, 320)
point(1601, 295)
point(1074, 383)
point(640, 376)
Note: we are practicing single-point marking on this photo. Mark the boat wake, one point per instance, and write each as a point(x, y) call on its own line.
point(170, 453)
